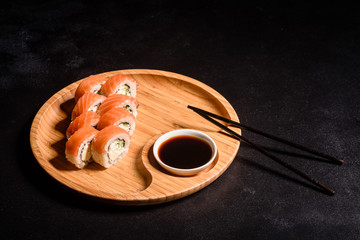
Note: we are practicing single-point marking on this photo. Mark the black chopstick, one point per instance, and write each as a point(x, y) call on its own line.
point(285, 164)
point(237, 124)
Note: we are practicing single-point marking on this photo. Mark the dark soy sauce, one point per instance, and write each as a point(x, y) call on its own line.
point(185, 152)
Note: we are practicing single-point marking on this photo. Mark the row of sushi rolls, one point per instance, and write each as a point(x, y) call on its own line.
point(102, 120)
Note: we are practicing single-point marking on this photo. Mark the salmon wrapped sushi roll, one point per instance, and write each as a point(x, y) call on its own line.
point(119, 101)
point(118, 117)
point(91, 84)
point(119, 84)
point(78, 147)
point(110, 145)
point(88, 118)
point(88, 102)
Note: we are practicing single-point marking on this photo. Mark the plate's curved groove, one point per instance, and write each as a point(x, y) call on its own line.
point(163, 98)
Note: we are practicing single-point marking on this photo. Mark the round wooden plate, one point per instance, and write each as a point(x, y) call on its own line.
point(137, 179)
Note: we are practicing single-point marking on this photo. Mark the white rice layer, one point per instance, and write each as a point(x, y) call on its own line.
point(83, 157)
point(132, 107)
point(110, 157)
point(130, 129)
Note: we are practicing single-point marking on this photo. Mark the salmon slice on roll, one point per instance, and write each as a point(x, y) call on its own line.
point(119, 101)
point(88, 118)
point(119, 84)
point(88, 102)
point(91, 84)
point(118, 117)
point(110, 145)
point(78, 147)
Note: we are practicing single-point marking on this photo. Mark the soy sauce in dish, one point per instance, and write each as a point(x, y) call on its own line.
point(185, 152)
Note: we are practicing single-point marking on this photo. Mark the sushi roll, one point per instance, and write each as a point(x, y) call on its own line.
point(119, 101)
point(118, 117)
point(91, 84)
point(88, 118)
point(78, 147)
point(119, 84)
point(110, 145)
point(88, 102)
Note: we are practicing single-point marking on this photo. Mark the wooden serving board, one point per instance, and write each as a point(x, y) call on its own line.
point(137, 179)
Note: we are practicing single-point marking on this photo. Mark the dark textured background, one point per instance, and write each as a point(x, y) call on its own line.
point(292, 70)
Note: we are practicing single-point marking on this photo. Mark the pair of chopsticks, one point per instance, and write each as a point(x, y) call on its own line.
point(210, 117)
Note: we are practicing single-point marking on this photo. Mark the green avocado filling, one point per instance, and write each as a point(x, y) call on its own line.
point(124, 90)
point(119, 143)
point(127, 89)
point(116, 149)
point(97, 89)
point(95, 108)
point(127, 107)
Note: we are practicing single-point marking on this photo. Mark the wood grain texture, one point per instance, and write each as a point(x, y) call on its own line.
point(137, 179)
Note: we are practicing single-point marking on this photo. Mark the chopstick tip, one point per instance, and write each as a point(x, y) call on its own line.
point(338, 161)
